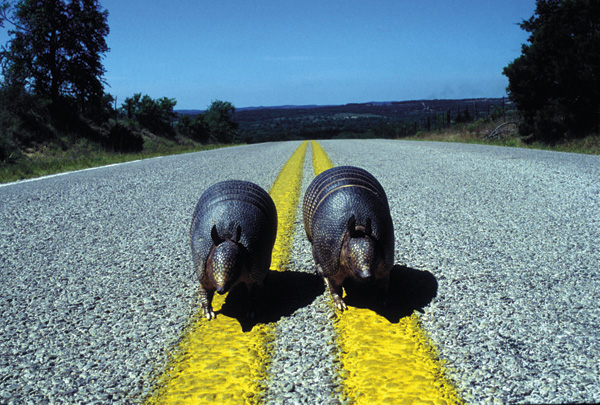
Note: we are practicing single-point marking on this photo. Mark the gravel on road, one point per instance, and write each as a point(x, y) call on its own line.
point(512, 237)
point(96, 282)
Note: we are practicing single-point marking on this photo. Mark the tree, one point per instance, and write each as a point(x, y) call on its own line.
point(132, 105)
point(56, 49)
point(555, 83)
point(194, 127)
point(156, 115)
point(219, 121)
point(463, 116)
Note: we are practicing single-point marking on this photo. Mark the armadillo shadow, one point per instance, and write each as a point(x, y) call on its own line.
point(409, 290)
point(283, 294)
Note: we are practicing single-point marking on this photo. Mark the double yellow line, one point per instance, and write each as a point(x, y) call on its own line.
point(217, 362)
point(384, 362)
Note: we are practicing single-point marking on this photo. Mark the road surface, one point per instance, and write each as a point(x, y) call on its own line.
point(96, 283)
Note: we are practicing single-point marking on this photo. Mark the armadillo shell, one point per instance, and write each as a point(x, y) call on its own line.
point(333, 179)
point(229, 204)
point(331, 199)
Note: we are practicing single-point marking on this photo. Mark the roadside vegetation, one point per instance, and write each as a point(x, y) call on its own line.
point(55, 114)
point(586, 145)
point(51, 161)
point(554, 84)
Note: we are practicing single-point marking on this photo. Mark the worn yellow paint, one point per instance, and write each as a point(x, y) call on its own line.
point(216, 362)
point(286, 193)
point(320, 160)
point(390, 363)
point(384, 362)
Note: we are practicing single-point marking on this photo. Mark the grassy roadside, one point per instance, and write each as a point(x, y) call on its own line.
point(589, 145)
point(48, 160)
point(83, 155)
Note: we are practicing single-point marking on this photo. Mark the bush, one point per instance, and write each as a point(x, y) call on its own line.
point(7, 138)
point(154, 115)
point(122, 139)
point(9, 152)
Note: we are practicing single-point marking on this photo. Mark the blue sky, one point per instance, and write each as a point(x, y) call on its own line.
point(264, 53)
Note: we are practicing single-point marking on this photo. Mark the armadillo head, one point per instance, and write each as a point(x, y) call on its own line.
point(226, 261)
point(358, 250)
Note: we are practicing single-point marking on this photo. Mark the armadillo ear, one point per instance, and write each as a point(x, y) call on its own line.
point(238, 234)
point(352, 225)
point(368, 228)
point(215, 236)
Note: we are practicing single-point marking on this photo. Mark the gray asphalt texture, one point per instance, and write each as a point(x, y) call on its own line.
point(305, 358)
point(96, 281)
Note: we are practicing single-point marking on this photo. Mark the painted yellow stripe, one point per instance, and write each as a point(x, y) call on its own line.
point(215, 361)
point(285, 194)
point(320, 160)
point(384, 362)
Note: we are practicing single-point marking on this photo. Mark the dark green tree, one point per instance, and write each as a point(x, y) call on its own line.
point(219, 122)
point(193, 127)
point(55, 50)
point(156, 115)
point(555, 83)
point(464, 116)
point(131, 105)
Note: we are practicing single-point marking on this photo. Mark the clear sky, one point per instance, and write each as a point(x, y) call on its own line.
point(277, 52)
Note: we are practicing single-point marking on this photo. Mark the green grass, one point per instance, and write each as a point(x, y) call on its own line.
point(589, 145)
point(82, 155)
point(48, 160)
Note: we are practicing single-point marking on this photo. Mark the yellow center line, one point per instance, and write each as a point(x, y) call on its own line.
point(215, 361)
point(384, 362)
point(320, 160)
point(286, 194)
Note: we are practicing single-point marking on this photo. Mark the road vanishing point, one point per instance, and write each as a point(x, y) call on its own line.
point(495, 287)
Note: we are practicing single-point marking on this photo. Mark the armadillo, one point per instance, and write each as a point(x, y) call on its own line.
point(347, 220)
point(232, 235)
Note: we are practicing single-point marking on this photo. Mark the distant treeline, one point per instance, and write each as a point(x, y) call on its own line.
point(366, 120)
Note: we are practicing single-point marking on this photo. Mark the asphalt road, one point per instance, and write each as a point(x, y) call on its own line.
point(96, 280)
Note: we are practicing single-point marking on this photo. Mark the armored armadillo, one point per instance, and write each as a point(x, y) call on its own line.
point(347, 220)
point(232, 236)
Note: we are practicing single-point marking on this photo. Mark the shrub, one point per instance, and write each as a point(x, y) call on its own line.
point(122, 139)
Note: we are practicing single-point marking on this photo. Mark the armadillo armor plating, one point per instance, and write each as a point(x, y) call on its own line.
point(347, 219)
point(232, 234)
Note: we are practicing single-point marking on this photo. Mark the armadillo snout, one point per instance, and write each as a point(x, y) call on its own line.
point(225, 267)
point(360, 257)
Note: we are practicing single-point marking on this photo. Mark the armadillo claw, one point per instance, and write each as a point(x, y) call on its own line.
point(209, 314)
point(340, 304)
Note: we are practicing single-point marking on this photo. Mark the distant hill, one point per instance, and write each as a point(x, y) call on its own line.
point(380, 119)
point(189, 112)
point(394, 107)
point(279, 107)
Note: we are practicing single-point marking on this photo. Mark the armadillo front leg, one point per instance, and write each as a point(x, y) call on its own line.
point(335, 288)
point(206, 297)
